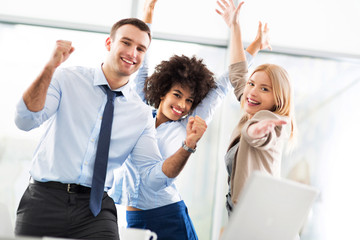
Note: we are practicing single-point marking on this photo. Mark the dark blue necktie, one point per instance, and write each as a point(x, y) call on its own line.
point(102, 153)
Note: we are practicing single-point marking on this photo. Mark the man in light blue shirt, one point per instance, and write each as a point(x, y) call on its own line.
point(71, 101)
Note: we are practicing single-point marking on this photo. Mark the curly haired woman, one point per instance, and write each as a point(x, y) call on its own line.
point(179, 89)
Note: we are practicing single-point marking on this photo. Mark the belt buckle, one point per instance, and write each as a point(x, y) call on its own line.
point(69, 188)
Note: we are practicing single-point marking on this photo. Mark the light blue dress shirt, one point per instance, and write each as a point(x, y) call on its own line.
point(129, 188)
point(73, 112)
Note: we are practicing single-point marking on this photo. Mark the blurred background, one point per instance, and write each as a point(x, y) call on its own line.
point(317, 42)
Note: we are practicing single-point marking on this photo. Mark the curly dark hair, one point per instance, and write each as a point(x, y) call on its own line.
point(188, 72)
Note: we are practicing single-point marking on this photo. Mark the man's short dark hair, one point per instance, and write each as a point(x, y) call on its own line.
point(132, 21)
point(188, 72)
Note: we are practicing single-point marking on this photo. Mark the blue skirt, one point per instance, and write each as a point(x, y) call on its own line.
point(170, 222)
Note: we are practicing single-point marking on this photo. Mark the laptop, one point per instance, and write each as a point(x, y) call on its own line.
point(270, 208)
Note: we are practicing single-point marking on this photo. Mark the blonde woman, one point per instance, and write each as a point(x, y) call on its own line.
point(268, 122)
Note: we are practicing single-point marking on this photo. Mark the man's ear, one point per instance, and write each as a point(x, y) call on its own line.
point(108, 43)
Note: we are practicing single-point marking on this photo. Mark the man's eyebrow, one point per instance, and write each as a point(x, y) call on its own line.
point(131, 40)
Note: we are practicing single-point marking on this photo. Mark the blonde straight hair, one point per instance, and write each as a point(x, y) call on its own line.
point(283, 93)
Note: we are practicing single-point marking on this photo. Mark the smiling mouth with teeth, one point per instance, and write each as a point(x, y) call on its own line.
point(127, 61)
point(253, 102)
point(177, 111)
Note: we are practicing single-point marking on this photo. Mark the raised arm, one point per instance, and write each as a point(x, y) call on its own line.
point(35, 96)
point(230, 14)
point(238, 68)
point(261, 41)
point(214, 98)
point(148, 11)
point(139, 80)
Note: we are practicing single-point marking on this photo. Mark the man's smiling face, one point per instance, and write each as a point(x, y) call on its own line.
point(127, 50)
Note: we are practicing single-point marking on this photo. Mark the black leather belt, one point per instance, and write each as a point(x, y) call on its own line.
point(68, 187)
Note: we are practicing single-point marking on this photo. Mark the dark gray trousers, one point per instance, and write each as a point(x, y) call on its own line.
point(45, 211)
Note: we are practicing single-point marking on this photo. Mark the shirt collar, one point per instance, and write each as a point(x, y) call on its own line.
point(100, 79)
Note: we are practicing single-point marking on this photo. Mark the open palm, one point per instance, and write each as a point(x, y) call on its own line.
point(228, 11)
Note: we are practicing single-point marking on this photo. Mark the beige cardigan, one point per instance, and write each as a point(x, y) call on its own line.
point(254, 154)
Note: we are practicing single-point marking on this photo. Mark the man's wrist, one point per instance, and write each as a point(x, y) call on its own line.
point(187, 148)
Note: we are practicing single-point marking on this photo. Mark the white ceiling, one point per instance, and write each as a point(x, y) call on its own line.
point(314, 25)
point(309, 26)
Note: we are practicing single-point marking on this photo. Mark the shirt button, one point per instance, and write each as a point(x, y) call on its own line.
point(86, 163)
point(92, 140)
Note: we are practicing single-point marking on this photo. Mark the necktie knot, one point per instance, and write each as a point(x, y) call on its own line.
point(111, 95)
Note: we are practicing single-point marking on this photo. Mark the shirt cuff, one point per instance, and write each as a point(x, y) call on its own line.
point(26, 118)
point(160, 174)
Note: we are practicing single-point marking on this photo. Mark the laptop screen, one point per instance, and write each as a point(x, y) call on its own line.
point(270, 208)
